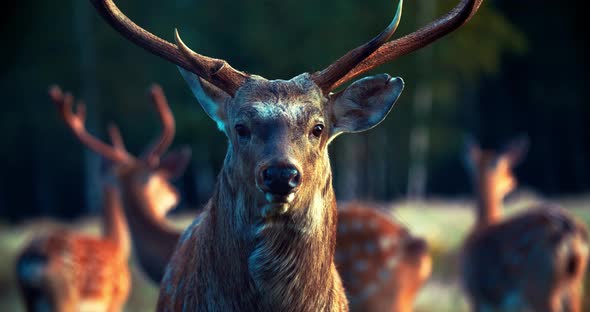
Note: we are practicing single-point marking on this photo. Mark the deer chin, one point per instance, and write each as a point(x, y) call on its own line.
point(276, 205)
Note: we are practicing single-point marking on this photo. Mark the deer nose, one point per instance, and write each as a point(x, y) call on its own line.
point(280, 179)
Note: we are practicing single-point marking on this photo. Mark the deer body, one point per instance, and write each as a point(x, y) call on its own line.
point(534, 261)
point(68, 271)
point(382, 265)
point(266, 239)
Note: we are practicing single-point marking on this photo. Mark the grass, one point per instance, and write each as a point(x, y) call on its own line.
point(443, 223)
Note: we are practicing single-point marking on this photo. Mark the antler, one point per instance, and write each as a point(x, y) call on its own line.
point(76, 123)
point(216, 71)
point(167, 120)
point(331, 78)
point(326, 78)
point(116, 138)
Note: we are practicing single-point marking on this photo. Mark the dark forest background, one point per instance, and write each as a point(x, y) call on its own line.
point(519, 67)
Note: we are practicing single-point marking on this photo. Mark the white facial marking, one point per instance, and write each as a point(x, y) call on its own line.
point(159, 192)
point(291, 112)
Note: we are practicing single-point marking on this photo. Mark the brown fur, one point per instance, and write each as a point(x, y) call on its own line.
point(535, 261)
point(382, 265)
point(68, 271)
point(144, 182)
point(238, 259)
point(154, 239)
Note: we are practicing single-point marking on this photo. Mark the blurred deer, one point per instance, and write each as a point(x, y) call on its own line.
point(534, 261)
point(266, 239)
point(69, 271)
point(382, 265)
point(144, 182)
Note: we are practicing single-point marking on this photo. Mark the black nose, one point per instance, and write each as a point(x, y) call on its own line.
point(280, 179)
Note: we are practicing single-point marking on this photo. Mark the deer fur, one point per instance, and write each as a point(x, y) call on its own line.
point(144, 182)
point(534, 261)
point(147, 195)
point(247, 253)
point(383, 266)
point(266, 239)
point(69, 271)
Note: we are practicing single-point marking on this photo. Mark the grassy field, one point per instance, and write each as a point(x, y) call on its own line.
point(442, 222)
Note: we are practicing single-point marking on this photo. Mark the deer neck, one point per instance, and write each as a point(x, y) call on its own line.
point(153, 239)
point(489, 203)
point(288, 260)
point(114, 222)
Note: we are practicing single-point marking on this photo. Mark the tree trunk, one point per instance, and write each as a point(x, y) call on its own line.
point(85, 35)
point(419, 135)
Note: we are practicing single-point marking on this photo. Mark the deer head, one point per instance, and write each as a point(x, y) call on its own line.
point(148, 174)
point(279, 129)
point(494, 170)
point(492, 174)
point(144, 182)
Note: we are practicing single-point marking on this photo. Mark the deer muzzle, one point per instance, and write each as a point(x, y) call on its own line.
point(279, 182)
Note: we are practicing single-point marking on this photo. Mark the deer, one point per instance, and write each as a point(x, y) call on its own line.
point(65, 270)
point(145, 182)
point(534, 261)
point(266, 239)
point(382, 265)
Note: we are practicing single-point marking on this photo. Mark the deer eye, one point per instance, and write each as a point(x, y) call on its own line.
point(317, 130)
point(242, 131)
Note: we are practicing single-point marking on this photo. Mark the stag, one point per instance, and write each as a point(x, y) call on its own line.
point(534, 261)
point(144, 182)
point(266, 239)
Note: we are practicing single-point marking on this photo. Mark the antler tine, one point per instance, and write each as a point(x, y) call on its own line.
point(75, 121)
point(216, 71)
point(326, 78)
point(167, 120)
point(116, 137)
point(414, 41)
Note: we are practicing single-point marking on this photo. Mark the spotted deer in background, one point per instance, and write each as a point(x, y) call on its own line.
point(266, 239)
point(534, 261)
point(144, 182)
point(382, 265)
point(70, 271)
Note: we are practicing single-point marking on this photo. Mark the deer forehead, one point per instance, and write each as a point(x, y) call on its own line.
point(295, 99)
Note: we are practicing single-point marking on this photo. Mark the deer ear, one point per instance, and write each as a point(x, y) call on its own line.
point(516, 150)
point(365, 103)
point(211, 98)
point(174, 163)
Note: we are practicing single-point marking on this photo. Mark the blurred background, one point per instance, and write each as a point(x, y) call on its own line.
point(519, 67)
